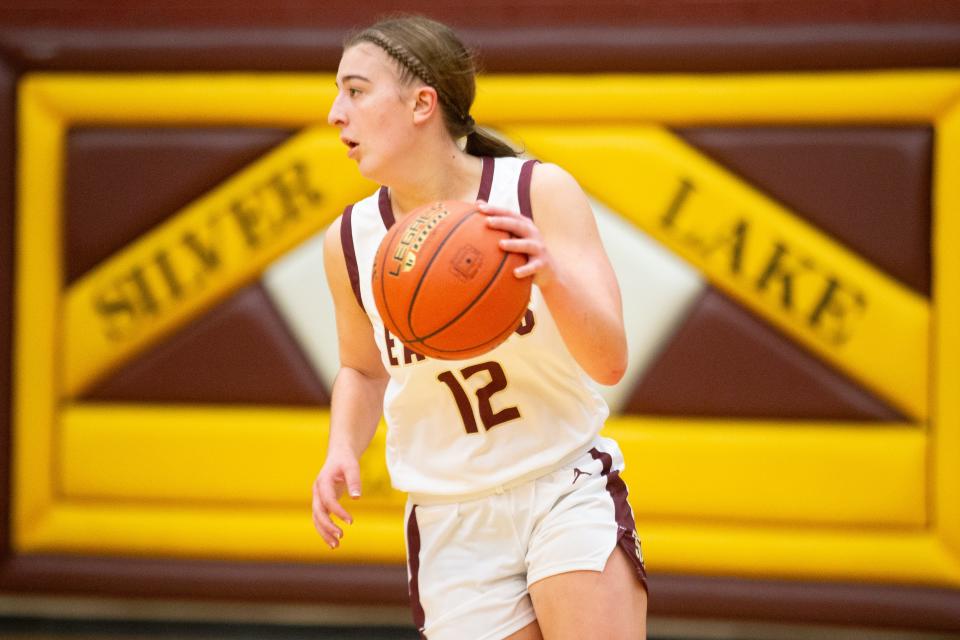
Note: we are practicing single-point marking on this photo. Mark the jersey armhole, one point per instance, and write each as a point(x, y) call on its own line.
point(349, 253)
point(523, 188)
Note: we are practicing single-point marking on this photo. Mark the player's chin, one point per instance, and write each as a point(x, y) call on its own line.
point(369, 168)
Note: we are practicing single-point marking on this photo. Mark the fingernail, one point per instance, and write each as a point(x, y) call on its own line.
point(354, 494)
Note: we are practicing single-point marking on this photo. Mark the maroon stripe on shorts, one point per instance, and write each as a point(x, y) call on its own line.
point(349, 253)
point(627, 529)
point(386, 208)
point(413, 560)
point(486, 179)
point(523, 188)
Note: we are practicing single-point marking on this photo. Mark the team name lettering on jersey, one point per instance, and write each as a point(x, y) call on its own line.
point(440, 411)
point(409, 357)
point(399, 354)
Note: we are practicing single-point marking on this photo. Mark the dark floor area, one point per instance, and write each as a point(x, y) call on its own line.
point(43, 628)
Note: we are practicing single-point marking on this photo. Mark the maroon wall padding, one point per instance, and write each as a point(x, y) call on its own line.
point(121, 182)
point(877, 606)
point(206, 579)
point(869, 605)
point(515, 36)
point(501, 14)
point(725, 362)
point(240, 352)
point(868, 187)
point(7, 180)
point(566, 46)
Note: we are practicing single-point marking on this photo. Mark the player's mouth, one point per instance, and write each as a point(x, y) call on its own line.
point(351, 146)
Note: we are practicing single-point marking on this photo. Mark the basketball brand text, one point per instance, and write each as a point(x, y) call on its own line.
point(405, 255)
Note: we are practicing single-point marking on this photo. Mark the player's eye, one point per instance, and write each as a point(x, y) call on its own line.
point(353, 92)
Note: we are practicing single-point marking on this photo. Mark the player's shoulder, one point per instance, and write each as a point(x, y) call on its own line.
point(551, 174)
point(332, 244)
point(552, 181)
point(545, 177)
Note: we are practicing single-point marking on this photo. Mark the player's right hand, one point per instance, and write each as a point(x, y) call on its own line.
point(341, 472)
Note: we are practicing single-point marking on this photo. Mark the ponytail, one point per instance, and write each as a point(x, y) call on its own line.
point(481, 143)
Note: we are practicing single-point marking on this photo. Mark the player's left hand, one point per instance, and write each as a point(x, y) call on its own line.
point(527, 239)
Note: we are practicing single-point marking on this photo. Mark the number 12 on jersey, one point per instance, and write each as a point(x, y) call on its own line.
point(498, 382)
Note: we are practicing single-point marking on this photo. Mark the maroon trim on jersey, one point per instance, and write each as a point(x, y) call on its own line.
point(486, 184)
point(386, 209)
point(349, 253)
point(523, 188)
point(486, 179)
point(627, 529)
point(413, 563)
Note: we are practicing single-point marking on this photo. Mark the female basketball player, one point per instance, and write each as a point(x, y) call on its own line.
point(517, 522)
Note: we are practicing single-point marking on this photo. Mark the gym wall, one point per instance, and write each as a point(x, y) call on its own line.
point(771, 180)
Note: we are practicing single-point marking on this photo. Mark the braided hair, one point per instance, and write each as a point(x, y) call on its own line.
point(431, 52)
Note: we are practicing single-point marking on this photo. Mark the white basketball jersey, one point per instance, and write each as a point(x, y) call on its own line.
point(457, 427)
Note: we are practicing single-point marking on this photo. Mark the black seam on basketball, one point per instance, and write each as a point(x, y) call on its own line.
point(476, 300)
point(385, 206)
point(473, 303)
point(499, 337)
point(426, 270)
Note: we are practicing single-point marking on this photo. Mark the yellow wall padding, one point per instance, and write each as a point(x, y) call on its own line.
point(776, 264)
point(37, 308)
point(766, 499)
point(186, 99)
point(765, 471)
point(688, 99)
point(211, 248)
point(847, 474)
point(204, 455)
point(945, 451)
point(823, 554)
point(870, 554)
point(174, 479)
point(205, 531)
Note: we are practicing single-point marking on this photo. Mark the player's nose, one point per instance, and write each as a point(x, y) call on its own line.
point(336, 117)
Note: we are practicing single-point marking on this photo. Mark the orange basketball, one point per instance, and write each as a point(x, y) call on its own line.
point(444, 287)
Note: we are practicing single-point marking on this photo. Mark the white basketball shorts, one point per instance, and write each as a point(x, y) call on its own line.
point(470, 562)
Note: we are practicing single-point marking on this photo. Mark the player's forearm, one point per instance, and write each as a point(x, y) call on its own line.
point(355, 408)
point(590, 320)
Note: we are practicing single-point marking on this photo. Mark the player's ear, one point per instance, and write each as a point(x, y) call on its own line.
point(425, 103)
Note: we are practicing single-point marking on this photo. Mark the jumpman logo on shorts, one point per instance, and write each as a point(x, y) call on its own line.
point(577, 473)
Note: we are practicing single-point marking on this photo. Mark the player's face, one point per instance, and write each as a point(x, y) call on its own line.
point(371, 110)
